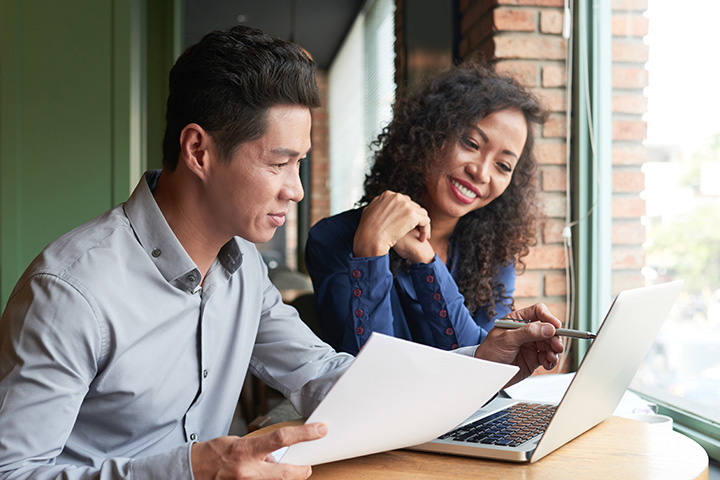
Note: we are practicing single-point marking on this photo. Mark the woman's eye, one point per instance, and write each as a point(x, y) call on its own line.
point(505, 167)
point(471, 143)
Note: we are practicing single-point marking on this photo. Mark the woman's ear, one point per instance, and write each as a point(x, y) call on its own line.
point(196, 149)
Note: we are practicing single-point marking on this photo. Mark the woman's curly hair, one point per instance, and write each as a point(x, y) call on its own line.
point(425, 125)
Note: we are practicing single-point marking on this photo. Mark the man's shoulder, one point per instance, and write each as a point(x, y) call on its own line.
point(100, 236)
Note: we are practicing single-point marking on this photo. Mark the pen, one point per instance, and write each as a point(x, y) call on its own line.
point(564, 332)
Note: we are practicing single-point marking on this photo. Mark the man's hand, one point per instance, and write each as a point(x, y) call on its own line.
point(393, 220)
point(249, 457)
point(528, 347)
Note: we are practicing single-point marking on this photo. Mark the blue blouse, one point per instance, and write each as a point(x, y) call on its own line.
point(358, 296)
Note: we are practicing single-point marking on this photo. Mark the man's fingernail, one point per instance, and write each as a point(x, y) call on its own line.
point(548, 331)
point(322, 429)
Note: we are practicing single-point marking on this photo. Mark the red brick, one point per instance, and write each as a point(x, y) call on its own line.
point(523, 72)
point(628, 233)
point(629, 130)
point(553, 179)
point(556, 305)
point(533, 3)
point(627, 258)
point(550, 152)
point(529, 46)
point(552, 231)
point(638, 5)
point(554, 76)
point(629, 25)
point(627, 206)
point(626, 155)
point(630, 104)
point(528, 284)
point(553, 100)
point(551, 21)
point(544, 257)
point(620, 281)
point(625, 77)
point(628, 181)
point(555, 285)
point(629, 51)
point(554, 204)
point(515, 19)
point(555, 127)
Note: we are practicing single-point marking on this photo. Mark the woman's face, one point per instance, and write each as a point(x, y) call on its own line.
point(477, 168)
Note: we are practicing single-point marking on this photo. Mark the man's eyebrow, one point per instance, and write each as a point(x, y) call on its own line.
point(288, 152)
point(486, 139)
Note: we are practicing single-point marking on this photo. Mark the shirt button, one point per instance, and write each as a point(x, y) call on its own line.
point(429, 279)
point(359, 330)
point(356, 273)
point(437, 296)
point(454, 346)
point(156, 253)
point(449, 331)
point(359, 312)
point(443, 313)
point(191, 278)
point(193, 437)
point(357, 292)
point(205, 373)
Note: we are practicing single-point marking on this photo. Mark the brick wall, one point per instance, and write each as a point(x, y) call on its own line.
point(318, 193)
point(629, 78)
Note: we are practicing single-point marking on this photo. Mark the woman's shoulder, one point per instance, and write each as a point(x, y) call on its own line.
point(346, 221)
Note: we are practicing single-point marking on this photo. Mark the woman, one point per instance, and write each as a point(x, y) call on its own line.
point(449, 210)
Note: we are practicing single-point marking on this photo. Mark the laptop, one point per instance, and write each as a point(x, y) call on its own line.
point(527, 431)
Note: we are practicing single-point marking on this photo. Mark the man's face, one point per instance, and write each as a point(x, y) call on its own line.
point(252, 193)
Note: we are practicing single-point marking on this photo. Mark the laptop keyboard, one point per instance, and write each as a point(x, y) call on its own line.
point(511, 426)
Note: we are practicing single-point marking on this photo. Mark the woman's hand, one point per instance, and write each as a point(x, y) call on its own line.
point(528, 347)
point(394, 220)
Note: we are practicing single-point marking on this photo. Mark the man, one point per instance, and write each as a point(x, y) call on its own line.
point(126, 342)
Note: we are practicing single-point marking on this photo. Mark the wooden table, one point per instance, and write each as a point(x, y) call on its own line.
point(616, 449)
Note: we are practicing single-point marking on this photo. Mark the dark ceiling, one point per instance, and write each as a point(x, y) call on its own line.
point(319, 26)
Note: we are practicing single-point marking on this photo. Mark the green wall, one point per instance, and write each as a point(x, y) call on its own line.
point(76, 95)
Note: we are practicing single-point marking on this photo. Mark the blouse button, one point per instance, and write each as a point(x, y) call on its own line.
point(429, 279)
point(437, 296)
point(356, 273)
point(454, 346)
point(359, 312)
point(449, 331)
point(357, 292)
point(359, 330)
point(443, 313)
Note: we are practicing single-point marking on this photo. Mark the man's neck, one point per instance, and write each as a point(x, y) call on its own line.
point(174, 195)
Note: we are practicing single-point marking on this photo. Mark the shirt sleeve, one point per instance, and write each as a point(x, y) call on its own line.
point(443, 307)
point(290, 358)
point(353, 295)
point(51, 350)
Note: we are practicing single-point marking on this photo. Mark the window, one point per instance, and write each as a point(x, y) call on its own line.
point(361, 92)
point(666, 195)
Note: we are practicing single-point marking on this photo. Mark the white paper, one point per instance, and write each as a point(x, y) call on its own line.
point(397, 394)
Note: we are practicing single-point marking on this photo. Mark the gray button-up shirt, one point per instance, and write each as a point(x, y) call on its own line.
point(113, 359)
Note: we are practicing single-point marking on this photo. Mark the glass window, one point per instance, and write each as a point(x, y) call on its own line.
point(675, 179)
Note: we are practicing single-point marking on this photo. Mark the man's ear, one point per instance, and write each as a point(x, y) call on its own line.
point(196, 149)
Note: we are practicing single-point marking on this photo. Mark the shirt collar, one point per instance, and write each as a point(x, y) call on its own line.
point(161, 244)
